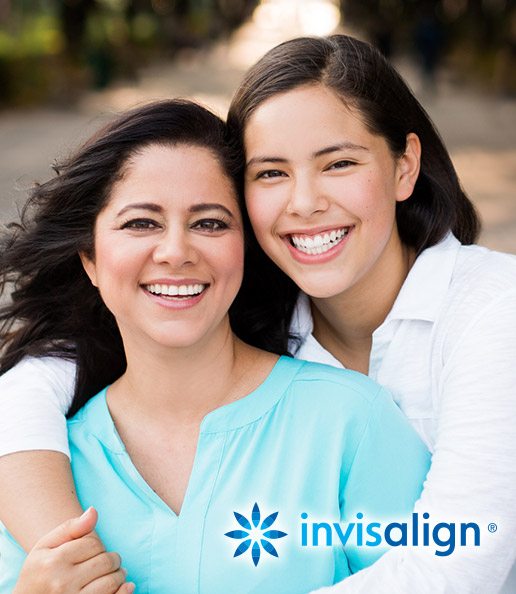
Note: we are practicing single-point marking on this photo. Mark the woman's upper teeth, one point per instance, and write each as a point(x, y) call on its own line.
point(174, 290)
point(320, 240)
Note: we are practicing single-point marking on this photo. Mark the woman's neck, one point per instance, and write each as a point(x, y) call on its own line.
point(182, 385)
point(344, 324)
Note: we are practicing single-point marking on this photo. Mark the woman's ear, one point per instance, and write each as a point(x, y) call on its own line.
point(89, 267)
point(407, 168)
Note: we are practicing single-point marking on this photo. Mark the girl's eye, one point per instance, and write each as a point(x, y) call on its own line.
point(210, 225)
point(140, 224)
point(269, 174)
point(343, 164)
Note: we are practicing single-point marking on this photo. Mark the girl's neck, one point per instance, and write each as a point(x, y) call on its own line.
point(182, 385)
point(344, 324)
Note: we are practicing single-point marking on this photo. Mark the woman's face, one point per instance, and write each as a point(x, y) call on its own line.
point(169, 247)
point(321, 190)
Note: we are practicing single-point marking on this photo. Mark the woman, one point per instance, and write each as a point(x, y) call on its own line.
point(136, 250)
point(394, 292)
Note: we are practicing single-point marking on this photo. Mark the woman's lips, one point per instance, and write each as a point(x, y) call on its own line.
point(176, 295)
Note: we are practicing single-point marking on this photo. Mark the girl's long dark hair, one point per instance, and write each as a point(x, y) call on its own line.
point(53, 308)
point(364, 80)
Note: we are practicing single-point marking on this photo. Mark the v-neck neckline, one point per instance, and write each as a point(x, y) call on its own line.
point(229, 417)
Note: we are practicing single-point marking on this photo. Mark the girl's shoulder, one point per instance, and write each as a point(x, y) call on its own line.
point(481, 279)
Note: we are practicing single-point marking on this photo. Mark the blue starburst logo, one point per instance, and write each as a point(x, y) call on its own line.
point(256, 534)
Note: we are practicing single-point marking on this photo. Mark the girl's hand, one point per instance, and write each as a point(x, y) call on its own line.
point(71, 559)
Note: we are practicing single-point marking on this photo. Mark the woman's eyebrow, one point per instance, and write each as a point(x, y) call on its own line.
point(141, 206)
point(193, 209)
point(324, 151)
point(210, 206)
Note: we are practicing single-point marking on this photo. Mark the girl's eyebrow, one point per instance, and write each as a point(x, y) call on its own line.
point(324, 151)
point(339, 147)
point(193, 209)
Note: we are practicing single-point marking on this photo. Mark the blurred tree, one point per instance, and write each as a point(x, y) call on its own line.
point(73, 17)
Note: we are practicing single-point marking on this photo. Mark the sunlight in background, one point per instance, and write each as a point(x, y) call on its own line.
point(274, 21)
point(310, 17)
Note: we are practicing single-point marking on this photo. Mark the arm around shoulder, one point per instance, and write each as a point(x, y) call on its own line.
point(37, 487)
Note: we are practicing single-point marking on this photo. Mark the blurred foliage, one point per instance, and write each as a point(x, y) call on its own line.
point(54, 49)
point(477, 37)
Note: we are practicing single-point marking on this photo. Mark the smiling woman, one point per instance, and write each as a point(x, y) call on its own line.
point(193, 224)
point(140, 253)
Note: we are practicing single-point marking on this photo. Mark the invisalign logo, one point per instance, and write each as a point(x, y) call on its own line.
point(395, 534)
point(256, 536)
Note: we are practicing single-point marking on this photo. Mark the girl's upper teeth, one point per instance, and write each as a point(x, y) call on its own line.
point(322, 241)
point(175, 290)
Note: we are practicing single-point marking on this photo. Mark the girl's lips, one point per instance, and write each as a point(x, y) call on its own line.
point(328, 253)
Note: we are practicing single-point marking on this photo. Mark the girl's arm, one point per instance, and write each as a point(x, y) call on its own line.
point(37, 490)
point(473, 472)
point(69, 559)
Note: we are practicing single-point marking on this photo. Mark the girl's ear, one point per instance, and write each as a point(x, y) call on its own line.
point(89, 267)
point(407, 168)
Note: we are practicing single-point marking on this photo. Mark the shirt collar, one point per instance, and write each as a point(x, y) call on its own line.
point(427, 283)
point(420, 297)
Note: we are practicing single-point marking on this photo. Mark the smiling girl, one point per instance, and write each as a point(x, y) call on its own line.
point(129, 266)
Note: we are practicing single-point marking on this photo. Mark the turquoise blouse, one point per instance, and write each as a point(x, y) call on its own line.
point(312, 444)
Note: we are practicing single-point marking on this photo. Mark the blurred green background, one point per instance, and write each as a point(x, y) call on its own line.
point(51, 50)
point(67, 65)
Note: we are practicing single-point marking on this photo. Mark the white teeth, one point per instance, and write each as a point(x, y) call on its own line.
point(176, 290)
point(318, 244)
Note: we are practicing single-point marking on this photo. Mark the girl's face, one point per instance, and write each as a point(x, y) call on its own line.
point(169, 247)
point(321, 190)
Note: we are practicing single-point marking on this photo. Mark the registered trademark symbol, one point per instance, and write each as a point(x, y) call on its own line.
point(492, 527)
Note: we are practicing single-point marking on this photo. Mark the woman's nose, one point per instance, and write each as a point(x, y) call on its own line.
point(175, 248)
point(306, 198)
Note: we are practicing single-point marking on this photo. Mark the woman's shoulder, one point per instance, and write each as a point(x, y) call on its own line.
point(327, 388)
point(92, 415)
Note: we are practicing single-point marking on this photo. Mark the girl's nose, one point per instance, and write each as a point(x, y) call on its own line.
point(306, 198)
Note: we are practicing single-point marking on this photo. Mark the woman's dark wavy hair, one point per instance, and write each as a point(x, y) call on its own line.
point(365, 81)
point(54, 309)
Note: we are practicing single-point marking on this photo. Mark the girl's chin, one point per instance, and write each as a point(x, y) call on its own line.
point(320, 290)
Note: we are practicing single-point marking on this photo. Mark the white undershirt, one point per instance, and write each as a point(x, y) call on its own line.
point(447, 352)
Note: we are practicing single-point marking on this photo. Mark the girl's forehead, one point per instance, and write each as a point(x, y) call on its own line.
point(308, 118)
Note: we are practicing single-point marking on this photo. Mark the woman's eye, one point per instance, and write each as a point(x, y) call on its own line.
point(210, 225)
point(269, 174)
point(343, 164)
point(140, 224)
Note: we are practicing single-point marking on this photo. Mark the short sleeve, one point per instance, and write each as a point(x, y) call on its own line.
point(385, 479)
point(34, 398)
